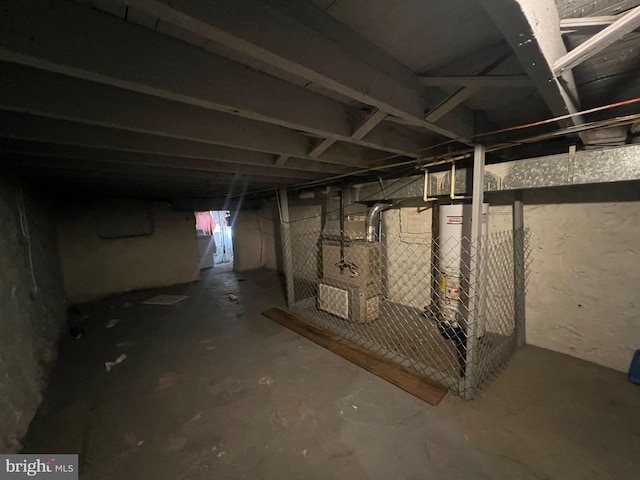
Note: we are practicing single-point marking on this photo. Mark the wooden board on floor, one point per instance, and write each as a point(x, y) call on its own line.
point(400, 376)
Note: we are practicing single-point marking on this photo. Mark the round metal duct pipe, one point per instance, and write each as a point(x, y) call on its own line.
point(372, 222)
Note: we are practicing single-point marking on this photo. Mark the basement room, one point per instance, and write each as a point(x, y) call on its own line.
point(324, 239)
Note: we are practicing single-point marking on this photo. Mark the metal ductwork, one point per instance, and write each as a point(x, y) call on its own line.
point(372, 221)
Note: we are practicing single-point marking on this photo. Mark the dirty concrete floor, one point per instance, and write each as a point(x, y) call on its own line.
point(211, 389)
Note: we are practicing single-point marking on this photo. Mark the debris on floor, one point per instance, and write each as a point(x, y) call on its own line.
point(232, 297)
point(131, 440)
point(164, 300)
point(109, 365)
point(196, 418)
point(177, 444)
point(265, 381)
point(112, 323)
point(167, 380)
point(76, 332)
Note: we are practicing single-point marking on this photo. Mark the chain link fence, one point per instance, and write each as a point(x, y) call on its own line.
point(439, 306)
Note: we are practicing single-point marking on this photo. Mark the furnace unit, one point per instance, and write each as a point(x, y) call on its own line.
point(351, 283)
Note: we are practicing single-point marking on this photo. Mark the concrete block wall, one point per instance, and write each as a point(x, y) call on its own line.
point(32, 310)
point(95, 267)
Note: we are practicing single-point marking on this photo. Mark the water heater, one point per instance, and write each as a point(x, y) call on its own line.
point(454, 259)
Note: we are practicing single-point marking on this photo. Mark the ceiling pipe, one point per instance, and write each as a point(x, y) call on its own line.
point(452, 191)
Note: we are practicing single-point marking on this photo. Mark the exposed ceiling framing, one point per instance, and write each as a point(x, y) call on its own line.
point(184, 98)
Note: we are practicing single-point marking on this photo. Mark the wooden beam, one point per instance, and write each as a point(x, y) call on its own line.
point(97, 155)
point(70, 187)
point(532, 28)
point(627, 23)
point(269, 35)
point(42, 93)
point(52, 130)
point(466, 92)
point(321, 147)
point(83, 167)
point(450, 103)
point(477, 81)
point(408, 380)
point(369, 124)
point(281, 160)
point(73, 40)
point(585, 24)
point(363, 129)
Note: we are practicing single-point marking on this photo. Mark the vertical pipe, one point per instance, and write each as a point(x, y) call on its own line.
point(519, 270)
point(285, 230)
point(477, 199)
point(435, 255)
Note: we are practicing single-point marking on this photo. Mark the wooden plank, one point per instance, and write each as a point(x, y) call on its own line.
point(402, 377)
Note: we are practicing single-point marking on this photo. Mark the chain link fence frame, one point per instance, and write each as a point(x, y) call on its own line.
point(395, 297)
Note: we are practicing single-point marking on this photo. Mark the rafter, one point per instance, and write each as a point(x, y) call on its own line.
point(477, 81)
point(51, 130)
point(83, 168)
point(73, 40)
point(60, 97)
point(585, 24)
point(269, 35)
point(601, 40)
point(532, 29)
point(91, 156)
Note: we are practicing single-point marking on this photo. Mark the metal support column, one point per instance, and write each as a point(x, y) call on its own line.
point(285, 231)
point(519, 269)
point(477, 199)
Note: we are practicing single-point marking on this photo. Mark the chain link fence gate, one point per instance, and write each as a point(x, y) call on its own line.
point(397, 294)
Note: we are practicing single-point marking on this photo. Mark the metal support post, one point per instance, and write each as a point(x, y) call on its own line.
point(477, 199)
point(285, 231)
point(519, 270)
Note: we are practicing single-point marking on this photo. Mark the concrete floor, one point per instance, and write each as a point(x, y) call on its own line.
point(211, 389)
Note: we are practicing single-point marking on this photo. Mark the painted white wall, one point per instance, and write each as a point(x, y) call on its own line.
point(94, 267)
point(306, 225)
point(256, 239)
point(583, 289)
